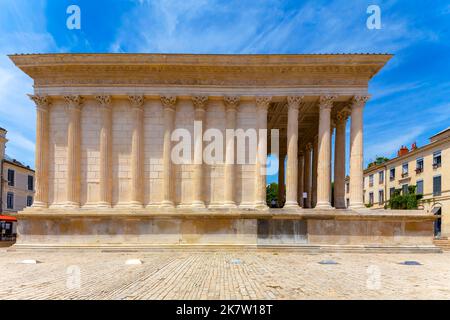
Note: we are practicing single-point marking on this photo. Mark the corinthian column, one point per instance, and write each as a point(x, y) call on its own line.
point(137, 155)
point(339, 159)
point(301, 159)
point(315, 148)
point(41, 158)
point(324, 153)
point(262, 105)
point(197, 178)
point(281, 182)
point(356, 152)
point(231, 104)
point(105, 178)
point(307, 177)
point(292, 152)
point(73, 107)
point(168, 103)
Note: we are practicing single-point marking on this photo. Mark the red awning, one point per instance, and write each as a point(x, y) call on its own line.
point(7, 218)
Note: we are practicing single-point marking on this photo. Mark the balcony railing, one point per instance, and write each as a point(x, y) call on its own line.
point(436, 165)
point(419, 170)
point(404, 174)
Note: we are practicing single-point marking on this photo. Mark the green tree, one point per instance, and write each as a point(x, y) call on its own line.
point(403, 201)
point(378, 160)
point(271, 193)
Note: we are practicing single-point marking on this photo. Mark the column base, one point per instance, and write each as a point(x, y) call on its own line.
point(291, 204)
point(39, 204)
point(359, 205)
point(323, 205)
point(261, 206)
point(197, 204)
point(103, 204)
point(70, 204)
point(229, 204)
point(167, 204)
point(136, 204)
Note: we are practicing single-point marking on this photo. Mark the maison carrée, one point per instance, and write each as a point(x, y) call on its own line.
point(105, 177)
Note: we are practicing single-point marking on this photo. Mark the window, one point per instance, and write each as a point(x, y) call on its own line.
point(29, 201)
point(405, 190)
point(437, 186)
point(404, 170)
point(10, 177)
point(392, 174)
point(419, 188)
point(419, 165)
point(391, 192)
point(371, 180)
point(348, 202)
point(30, 183)
point(381, 177)
point(347, 187)
point(381, 197)
point(371, 198)
point(10, 200)
point(436, 159)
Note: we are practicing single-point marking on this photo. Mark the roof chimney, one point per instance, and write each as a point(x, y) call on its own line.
point(403, 150)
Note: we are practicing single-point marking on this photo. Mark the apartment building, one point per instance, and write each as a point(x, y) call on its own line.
point(427, 168)
point(17, 181)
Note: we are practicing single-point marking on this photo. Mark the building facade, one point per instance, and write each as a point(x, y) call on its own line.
point(111, 126)
point(427, 168)
point(17, 183)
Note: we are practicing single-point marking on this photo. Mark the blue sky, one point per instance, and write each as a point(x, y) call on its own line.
point(410, 96)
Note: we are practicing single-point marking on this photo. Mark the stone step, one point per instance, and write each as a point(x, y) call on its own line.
point(444, 244)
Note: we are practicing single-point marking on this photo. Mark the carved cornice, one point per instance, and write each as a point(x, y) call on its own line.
point(231, 102)
point(73, 102)
point(42, 102)
point(263, 102)
point(326, 102)
point(249, 70)
point(359, 101)
point(294, 101)
point(199, 102)
point(169, 102)
point(136, 101)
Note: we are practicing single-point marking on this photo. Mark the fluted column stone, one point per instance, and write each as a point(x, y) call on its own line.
point(73, 108)
point(308, 176)
point(324, 153)
point(339, 160)
point(231, 105)
point(105, 169)
point(137, 150)
point(41, 156)
point(356, 152)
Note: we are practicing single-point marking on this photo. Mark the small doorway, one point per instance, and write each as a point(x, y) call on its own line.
point(437, 223)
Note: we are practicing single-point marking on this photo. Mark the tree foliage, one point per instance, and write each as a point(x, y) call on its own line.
point(272, 193)
point(407, 201)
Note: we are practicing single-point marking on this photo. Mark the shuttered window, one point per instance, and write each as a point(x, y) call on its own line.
point(419, 189)
point(437, 186)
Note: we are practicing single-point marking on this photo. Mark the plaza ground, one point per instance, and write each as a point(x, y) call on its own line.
point(223, 274)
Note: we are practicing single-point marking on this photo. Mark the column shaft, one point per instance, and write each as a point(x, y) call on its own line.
point(137, 153)
point(307, 176)
point(324, 153)
point(301, 159)
point(315, 149)
point(231, 104)
point(41, 157)
point(292, 152)
point(262, 105)
point(356, 153)
point(168, 103)
point(339, 161)
point(281, 181)
point(197, 178)
point(73, 150)
point(105, 177)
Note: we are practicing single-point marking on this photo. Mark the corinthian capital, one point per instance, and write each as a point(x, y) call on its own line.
point(103, 100)
point(42, 102)
point(342, 115)
point(73, 102)
point(231, 102)
point(263, 102)
point(169, 102)
point(326, 102)
point(294, 101)
point(359, 101)
point(199, 101)
point(308, 146)
point(136, 101)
